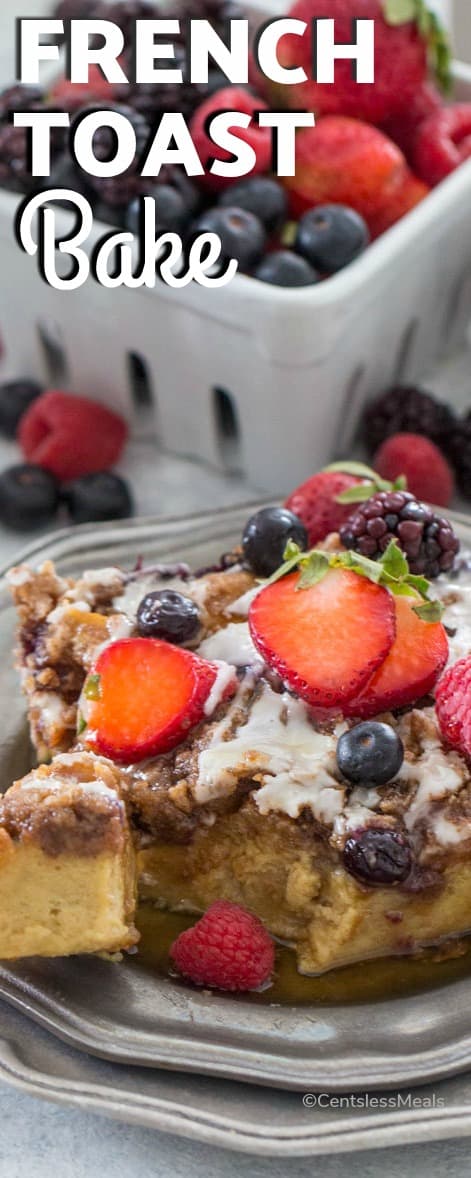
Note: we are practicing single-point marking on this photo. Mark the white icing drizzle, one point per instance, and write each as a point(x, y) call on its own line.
point(242, 605)
point(225, 678)
point(232, 644)
point(279, 745)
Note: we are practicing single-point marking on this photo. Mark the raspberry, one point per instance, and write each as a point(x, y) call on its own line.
point(406, 409)
point(71, 436)
point(427, 540)
point(453, 705)
point(228, 949)
point(260, 139)
point(428, 474)
point(443, 142)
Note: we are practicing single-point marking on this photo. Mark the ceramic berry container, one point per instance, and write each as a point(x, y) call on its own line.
point(252, 377)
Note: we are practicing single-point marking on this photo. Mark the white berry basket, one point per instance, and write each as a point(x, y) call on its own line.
point(252, 377)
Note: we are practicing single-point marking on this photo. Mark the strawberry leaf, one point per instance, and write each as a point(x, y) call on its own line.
point(394, 562)
point(430, 611)
point(398, 12)
point(313, 570)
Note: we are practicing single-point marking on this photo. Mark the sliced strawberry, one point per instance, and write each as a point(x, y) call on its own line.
point(143, 696)
point(314, 502)
point(70, 435)
point(412, 667)
point(325, 641)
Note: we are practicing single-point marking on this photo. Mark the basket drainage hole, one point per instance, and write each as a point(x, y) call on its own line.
point(404, 353)
point(140, 382)
point(227, 427)
point(53, 352)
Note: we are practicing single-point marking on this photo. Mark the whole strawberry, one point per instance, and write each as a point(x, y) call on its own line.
point(228, 949)
point(427, 471)
point(315, 503)
point(344, 161)
point(403, 50)
point(443, 142)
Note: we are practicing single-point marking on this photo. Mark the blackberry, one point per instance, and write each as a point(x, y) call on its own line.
point(14, 171)
point(216, 11)
point(377, 856)
point(20, 98)
point(427, 540)
point(460, 453)
point(409, 410)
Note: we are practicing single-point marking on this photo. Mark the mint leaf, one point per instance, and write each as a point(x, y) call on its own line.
point(81, 724)
point(313, 570)
point(92, 689)
point(430, 611)
point(394, 562)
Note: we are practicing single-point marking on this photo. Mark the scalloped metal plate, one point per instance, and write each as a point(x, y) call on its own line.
point(125, 1015)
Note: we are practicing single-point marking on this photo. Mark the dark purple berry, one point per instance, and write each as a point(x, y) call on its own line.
point(427, 540)
point(15, 398)
point(168, 615)
point(409, 410)
point(241, 234)
point(331, 236)
point(94, 497)
point(370, 753)
point(171, 213)
point(377, 856)
point(29, 497)
point(266, 535)
point(460, 453)
point(260, 195)
point(283, 268)
point(20, 97)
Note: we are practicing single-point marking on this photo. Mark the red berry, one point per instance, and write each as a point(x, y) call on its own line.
point(443, 142)
point(74, 95)
point(71, 436)
point(259, 137)
point(428, 474)
point(410, 670)
point(143, 697)
point(409, 194)
point(344, 161)
point(326, 641)
point(403, 128)
point(228, 948)
point(453, 705)
point(314, 502)
point(400, 63)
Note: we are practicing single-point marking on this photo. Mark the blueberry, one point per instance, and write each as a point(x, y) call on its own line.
point(168, 615)
point(262, 196)
point(29, 497)
point(283, 268)
point(241, 234)
point(95, 497)
point(377, 856)
point(331, 236)
point(15, 398)
point(171, 213)
point(266, 535)
point(370, 754)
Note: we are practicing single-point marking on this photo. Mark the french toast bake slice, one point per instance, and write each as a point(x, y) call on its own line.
point(251, 806)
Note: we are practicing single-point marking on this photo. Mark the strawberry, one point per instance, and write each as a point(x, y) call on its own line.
point(443, 142)
point(73, 95)
point(260, 138)
point(314, 502)
point(143, 696)
point(327, 640)
point(412, 667)
point(409, 194)
point(427, 472)
point(71, 436)
point(402, 49)
point(344, 161)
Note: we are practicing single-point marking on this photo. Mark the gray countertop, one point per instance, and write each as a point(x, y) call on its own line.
point(38, 1138)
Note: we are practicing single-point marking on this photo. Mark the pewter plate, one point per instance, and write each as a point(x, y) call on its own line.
point(129, 1016)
